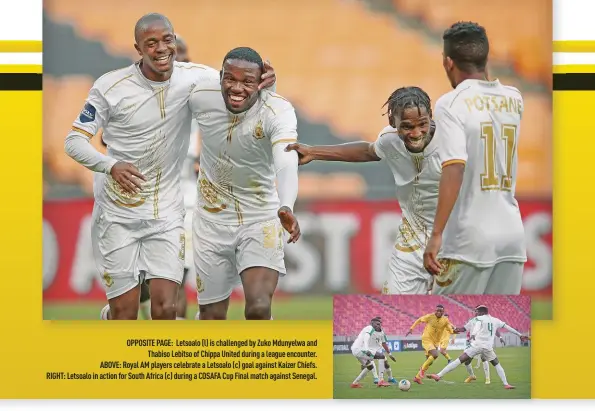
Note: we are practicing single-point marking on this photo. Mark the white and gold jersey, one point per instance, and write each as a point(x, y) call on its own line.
point(146, 124)
point(417, 176)
point(236, 183)
point(479, 123)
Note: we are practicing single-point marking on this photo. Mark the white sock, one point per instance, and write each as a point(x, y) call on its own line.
point(180, 318)
point(271, 318)
point(454, 364)
point(145, 309)
point(470, 370)
point(486, 369)
point(361, 375)
point(478, 362)
point(197, 316)
point(388, 371)
point(501, 373)
point(374, 371)
point(104, 313)
point(381, 373)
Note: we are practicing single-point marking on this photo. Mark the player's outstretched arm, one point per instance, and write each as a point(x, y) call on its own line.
point(358, 152)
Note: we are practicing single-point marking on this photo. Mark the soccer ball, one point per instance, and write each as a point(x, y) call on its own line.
point(404, 385)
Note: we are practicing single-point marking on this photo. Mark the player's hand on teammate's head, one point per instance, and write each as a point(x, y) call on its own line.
point(128, 177)
point(268, 77)
point(431, 263)
point(303, 151)
point(432, 127)
point(289, 223)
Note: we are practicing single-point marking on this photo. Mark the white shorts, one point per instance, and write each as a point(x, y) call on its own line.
point(223, 252)
point(486, 354)
point(461, 278)
point(406, 274)
point(124, 249)
point(362, 357)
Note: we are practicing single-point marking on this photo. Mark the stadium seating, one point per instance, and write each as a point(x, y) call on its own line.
point(515, 39)
point(353, 312)
point(336, 61)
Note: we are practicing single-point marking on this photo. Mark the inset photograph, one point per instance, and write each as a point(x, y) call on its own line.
point(428, 346)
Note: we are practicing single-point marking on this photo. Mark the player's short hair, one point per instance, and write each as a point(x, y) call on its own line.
point(148, 19)
point(245, 54)
point(440, 306)
point(406, 97)
point(467, 44)
point(482, 308)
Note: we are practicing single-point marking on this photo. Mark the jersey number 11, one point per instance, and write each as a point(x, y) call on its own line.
point(491, 179)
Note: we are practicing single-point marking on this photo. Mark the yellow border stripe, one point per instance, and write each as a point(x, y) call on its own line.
point(21, 68)
point(574, 46)
point(21, 46)
point(574, 68)
point(449, 162)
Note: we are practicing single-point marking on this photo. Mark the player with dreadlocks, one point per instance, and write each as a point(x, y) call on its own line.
point(406, 145)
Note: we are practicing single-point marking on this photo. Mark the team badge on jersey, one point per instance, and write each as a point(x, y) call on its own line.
point(258, 130)
point(199, 286)
point(107, 280)
point(87, 114)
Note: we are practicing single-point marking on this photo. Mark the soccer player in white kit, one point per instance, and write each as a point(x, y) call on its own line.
point(367, 347)
point(482, 328)
point(138, 218)
point(478, 232)
point(407, 146)
point(240, 215)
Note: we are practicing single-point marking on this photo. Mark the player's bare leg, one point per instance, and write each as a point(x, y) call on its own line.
point(381, 368)
point(214, 311)
point(501, 374)
point(125, 306)
point(182, 304)
point(259, 286)
point(164, 295)
point(469, 368)
point(450, 367)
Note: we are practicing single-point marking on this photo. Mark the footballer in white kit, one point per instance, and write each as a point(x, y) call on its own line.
point(138, 218)
point(369, 345)
point(240, 214)
point(407, 146)
point(482, 328)
point(478, 223)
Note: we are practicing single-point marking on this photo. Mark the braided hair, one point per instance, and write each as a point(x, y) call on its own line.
point(406, 97)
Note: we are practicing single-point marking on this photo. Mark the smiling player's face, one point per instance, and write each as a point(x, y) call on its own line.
point(413, 127)
point(239, 84)
point(157, 47)
point(439, 312)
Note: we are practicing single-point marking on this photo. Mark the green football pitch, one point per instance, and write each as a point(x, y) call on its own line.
point(516, 362)
point(295, 308)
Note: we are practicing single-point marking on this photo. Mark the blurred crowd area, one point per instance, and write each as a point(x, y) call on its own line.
point(337, 61)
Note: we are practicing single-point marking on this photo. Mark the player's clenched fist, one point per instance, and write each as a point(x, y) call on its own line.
point(128, 176)
point(289, 223)
point(304, 152)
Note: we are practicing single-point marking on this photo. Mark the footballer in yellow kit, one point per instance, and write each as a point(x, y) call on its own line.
point(436, 325)
point(446, 336)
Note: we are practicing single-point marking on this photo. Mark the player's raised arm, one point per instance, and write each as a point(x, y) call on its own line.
point(450, 136)
point(282, 130)
point(422, 319)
